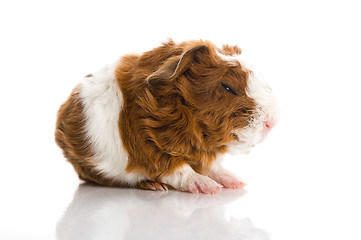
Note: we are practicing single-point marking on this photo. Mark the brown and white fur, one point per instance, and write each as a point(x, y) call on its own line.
point(165, 118)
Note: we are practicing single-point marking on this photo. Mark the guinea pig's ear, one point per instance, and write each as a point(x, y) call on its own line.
point(174, 66)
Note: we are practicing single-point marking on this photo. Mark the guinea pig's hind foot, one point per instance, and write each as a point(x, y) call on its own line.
point(151, 185)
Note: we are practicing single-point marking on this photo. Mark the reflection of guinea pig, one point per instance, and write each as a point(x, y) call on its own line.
point(165, 117)
point(112, 213)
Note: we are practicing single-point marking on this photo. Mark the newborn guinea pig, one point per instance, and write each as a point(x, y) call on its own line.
point(165, 118)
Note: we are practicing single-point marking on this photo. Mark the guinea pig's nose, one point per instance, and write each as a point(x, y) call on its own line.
point(269, 124)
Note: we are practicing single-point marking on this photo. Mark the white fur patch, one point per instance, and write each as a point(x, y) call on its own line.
point(103, 102)
point(231, 59)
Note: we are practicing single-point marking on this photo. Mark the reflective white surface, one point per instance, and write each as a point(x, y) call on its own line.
point(303, 180)
point(106, 213)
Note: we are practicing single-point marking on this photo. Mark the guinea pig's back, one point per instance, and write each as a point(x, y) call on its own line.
point(71, 137)
point(87, 130)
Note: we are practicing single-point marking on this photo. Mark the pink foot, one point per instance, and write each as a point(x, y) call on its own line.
point(201, 184)
point(187, 180)
point(228, 180)
point(150, 185)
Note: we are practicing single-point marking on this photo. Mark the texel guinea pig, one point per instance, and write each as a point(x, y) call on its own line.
point(165, 118)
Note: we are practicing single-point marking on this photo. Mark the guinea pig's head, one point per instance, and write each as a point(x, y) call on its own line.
point(231, 105)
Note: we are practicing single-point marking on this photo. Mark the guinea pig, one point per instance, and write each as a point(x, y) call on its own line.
point(165, 118)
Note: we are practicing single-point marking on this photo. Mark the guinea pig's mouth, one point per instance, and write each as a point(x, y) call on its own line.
point(239, 145)
point(239, 140)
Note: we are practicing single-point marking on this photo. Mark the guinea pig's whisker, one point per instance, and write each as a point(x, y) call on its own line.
point(235, 136)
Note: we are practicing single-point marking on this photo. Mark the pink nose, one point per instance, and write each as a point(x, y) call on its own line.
point(268, 124)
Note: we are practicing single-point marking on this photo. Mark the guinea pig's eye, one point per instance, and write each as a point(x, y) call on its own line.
point(228, 89)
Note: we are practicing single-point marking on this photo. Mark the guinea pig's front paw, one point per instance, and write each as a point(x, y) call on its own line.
point(201, 184)
point(227, 179)
point(187, 180)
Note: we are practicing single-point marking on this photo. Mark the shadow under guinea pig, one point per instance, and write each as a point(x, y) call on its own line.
point(112, 213)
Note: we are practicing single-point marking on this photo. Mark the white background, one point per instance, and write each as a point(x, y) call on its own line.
point(303, 181)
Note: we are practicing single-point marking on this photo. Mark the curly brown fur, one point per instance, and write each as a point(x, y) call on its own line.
point(175, 110)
